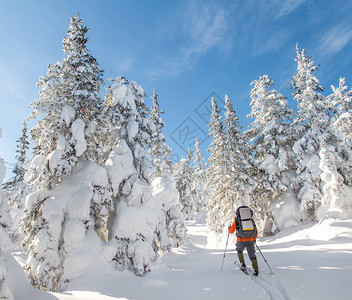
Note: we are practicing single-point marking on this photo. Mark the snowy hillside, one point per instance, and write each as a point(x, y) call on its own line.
point(310, 262)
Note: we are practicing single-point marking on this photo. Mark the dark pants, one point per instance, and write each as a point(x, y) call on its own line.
point(249, 245)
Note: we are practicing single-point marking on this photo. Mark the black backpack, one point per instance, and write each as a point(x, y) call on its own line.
point(245, 225)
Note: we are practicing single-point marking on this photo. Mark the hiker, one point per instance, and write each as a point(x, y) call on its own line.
point(246, 233)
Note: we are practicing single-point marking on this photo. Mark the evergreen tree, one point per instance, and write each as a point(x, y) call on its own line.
point(198, 157)
point(336, 155)
point(163, 181)
point(136, 231)
point(159, 151)
point(216, 173)
point(5, 243)
point(198, 183)
point(183, 178)
point(270, 132)
point(308, 127)
point(69, 130)
point(341, 102)
point(16, 189)
point(20, 167)
point(271, 114)
point(67, 147)
point(165, 191)
point(333, 181)
point(240, 178)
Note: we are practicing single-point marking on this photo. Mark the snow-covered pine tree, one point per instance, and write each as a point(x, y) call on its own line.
point(217, 165)
point(136, 229)
point(341, 102)
point(159, 150)
point(16, 189)
point(275, 160)
point(5, 243)
point(199, 190)
point(165, 191)
point(240, 169)
point(334, 198)
point(20, 166)
point(69, 198)
point(336, 156)
point(163, 182)
point(183, 173)
point(71, 107)
point(309, 124)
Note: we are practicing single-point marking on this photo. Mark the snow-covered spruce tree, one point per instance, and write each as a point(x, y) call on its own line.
point(183, 173)
point(216, 172)
point(5, 243)
point(240, 169)
point(165, 191)
point(341, 102)
point(309, 124)
point(69, 198)
point(273, 143)
point(163, 182)
point(335, 200)
point(159, 150)
point(136, 228)
point(16, 189)
point(199, 190)
point(71, 106)
point(20, 166)
point(336, 156)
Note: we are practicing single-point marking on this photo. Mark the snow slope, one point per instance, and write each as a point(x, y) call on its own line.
point(310, 262)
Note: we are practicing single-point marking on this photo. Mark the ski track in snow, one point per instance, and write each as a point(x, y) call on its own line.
point(271, 288)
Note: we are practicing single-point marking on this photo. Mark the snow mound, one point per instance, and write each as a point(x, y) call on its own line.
point(132, 222)
point(66, 231)
point(164, 190)
point(286, 211)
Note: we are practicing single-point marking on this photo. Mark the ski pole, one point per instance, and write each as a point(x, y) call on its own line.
point(227, 240)
point(271, 271)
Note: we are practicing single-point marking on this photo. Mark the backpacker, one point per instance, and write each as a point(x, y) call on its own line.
point(245, 226)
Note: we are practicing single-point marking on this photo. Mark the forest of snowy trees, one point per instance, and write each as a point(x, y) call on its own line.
point(100, 170)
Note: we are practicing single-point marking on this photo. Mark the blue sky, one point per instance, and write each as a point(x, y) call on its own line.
point(186, 50)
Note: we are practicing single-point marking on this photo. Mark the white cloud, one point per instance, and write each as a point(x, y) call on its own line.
point(335, 39)
point(199, 29)
point(262, 24)
point(272, 42)
point(272, 9)
point(288, 6)
point(206, 26)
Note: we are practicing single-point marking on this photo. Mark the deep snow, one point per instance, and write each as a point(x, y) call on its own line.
point(310, 262)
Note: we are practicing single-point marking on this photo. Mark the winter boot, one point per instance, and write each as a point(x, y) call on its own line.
point(255, 266)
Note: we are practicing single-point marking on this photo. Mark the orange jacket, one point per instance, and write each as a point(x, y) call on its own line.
point(232, 229)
